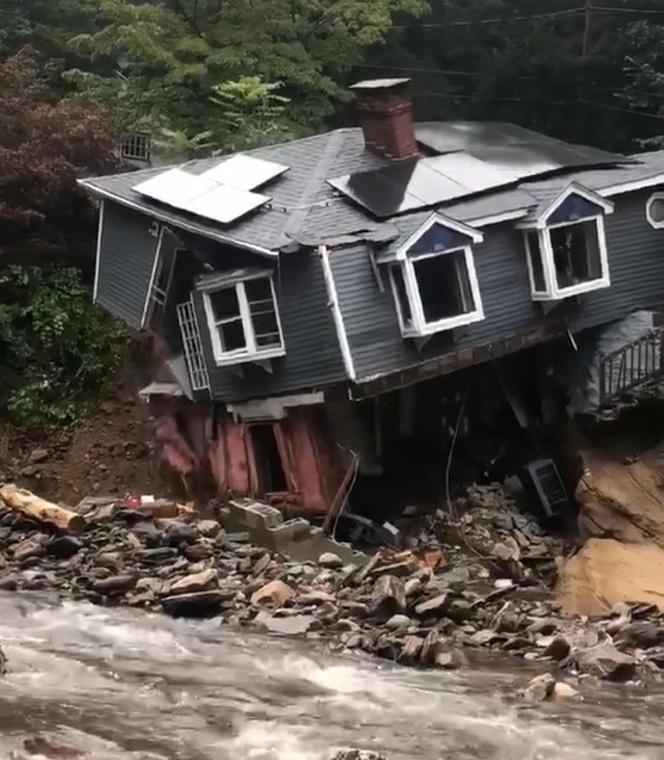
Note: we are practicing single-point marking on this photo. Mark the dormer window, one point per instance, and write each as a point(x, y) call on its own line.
point(566, 246)
point(433, 278)
point(242, 317)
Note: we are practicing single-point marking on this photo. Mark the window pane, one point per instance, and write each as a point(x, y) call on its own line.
point(225, 304)
point(266, 330)
point(444, 286)
point(576, 254)
point(656, 210)
point(537, 268)
point(258, 290)
point(402, 296)
point(231, 335)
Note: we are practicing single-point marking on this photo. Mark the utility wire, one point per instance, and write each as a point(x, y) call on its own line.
point(504, 20)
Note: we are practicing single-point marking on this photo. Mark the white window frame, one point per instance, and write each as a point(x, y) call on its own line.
point(553, 292)
point(539, 225)
point(658, 225)
point(251, 352)
point(420, 326)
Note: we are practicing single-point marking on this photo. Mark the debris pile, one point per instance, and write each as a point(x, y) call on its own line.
point(432, 605)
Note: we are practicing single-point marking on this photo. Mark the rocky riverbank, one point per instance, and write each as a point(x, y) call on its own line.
point(476, 580)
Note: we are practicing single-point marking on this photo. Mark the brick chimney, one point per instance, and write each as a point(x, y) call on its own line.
point(386, 117)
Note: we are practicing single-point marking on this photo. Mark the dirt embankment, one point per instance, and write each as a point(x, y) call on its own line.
point(110, 452)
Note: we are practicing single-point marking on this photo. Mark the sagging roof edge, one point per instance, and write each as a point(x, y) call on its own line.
point(163, 217)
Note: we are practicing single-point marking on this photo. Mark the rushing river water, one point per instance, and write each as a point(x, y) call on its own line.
point(116, 683)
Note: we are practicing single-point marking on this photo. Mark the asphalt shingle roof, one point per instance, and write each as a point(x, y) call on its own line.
point(305, 209)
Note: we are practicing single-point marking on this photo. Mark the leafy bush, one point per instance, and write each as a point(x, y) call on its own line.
point(56, 348)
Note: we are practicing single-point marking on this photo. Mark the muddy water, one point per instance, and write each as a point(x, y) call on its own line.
point(122, 684)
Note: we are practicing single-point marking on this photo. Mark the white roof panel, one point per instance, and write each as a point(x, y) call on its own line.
point(174, 187)
point(224, 204)
point(244, 172)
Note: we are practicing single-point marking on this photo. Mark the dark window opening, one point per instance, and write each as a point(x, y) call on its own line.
point(263, 313)
point(536, 266)
point(267, 458)
point(576, 254)
point(228, 319)
point(402, 296)
point(444, 286)
point(163, 278)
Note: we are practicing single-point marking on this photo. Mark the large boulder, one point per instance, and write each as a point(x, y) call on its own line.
point(605, 572)
point(621, 500)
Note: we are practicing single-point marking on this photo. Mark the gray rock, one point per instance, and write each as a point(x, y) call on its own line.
point(558, 649)
point(412, 587)
point(640, 634)
point(199, 551)
point(158, 555)
point(116, 584)
point(261, 564)
point(294, 625)
point(451, 659)
point(397, 622)
point(357, 754)
point(330, 560)
point(31, 547)
point(432, 607)
point(605, 661)
point(540, 688)
point(8, 582)
point(64, 547)
point(147, 532)
point(180, 532)
point(388, 597)
point(195, 605)
point(208, 528)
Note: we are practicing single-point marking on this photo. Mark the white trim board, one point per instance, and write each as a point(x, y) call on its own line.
point(100, 233)
point(333, 303)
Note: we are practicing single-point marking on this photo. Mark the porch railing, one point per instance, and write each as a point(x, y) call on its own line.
point(632, 365)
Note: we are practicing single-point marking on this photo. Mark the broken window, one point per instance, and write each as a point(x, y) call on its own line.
point(443, 286)
point(435, 292)
point(567, 251)
point(576, 254)
point(244, 321)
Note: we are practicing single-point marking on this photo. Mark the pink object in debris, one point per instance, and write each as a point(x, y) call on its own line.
point(131, 501)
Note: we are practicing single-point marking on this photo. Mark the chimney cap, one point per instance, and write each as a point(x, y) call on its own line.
point(379, 84)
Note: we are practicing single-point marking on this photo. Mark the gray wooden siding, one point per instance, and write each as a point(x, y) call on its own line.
point(125, 266)
point(636, 264)
point(313, 358)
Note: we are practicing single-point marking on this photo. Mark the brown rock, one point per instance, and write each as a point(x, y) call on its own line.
point(411, 649)
point(195, 582)
point(563, 691)
point(274, 592)
point(558, 649)
point(31, 547)
point(39, 455)
point(605, 572)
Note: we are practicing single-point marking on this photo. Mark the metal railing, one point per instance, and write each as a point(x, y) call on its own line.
point(632, 365)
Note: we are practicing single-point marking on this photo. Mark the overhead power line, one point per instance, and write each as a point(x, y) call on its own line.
point(504, 20)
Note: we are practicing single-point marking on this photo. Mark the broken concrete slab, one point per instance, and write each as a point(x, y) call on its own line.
point(606, 571)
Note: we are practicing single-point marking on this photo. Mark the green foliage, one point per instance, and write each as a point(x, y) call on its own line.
point(56, 348)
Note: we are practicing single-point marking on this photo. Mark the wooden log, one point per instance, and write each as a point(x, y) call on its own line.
point(30, 505)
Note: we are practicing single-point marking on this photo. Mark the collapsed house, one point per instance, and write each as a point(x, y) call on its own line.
point(358, 302)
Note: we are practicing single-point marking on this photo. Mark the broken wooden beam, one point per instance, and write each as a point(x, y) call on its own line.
point(28, 504)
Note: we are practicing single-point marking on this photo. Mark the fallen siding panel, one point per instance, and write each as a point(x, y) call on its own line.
point(126, 260)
